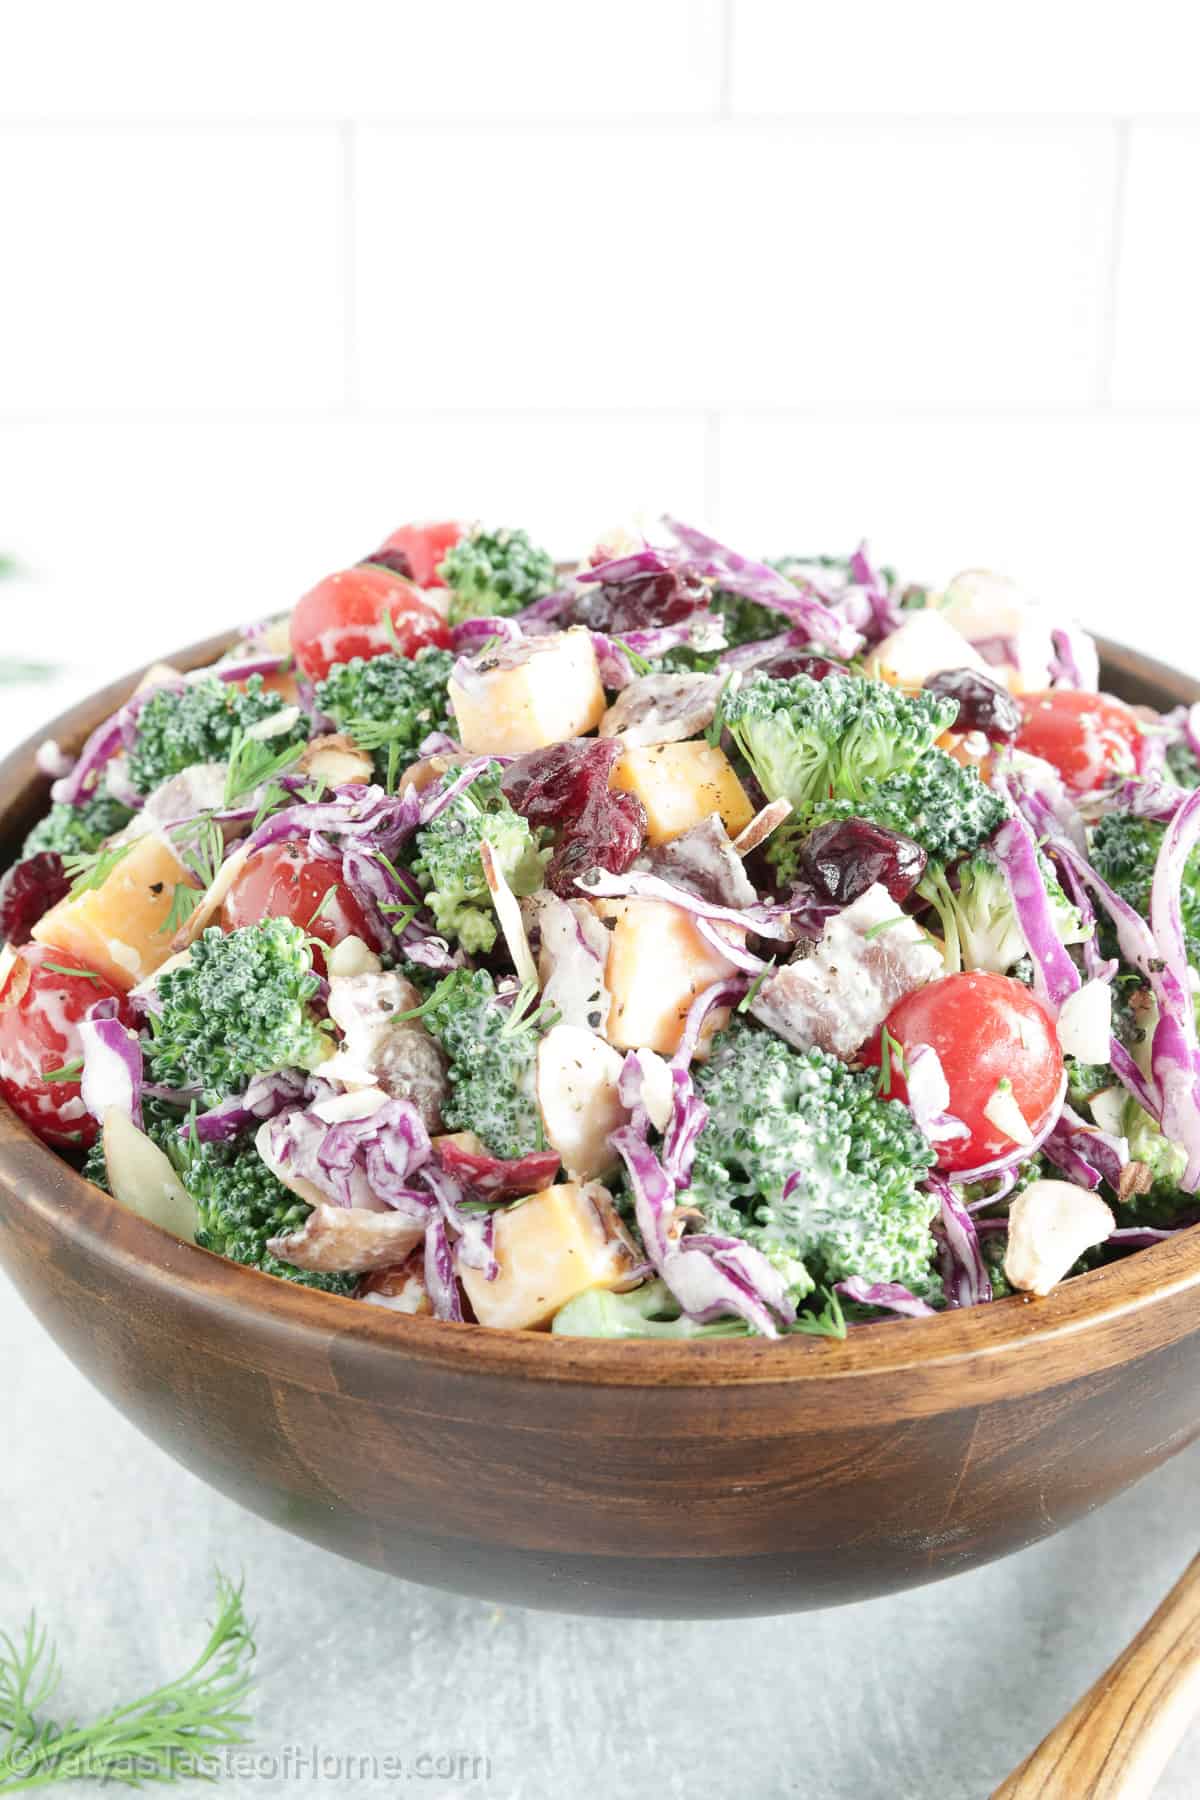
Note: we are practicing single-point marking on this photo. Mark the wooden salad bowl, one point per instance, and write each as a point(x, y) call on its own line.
point(661, 1479)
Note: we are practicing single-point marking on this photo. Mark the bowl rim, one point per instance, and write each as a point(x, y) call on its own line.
point(40, 1182)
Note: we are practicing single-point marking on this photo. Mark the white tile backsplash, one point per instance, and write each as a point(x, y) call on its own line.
point(171, 268)
point(274, 276)
point(1053, 57)
point(354, 59)
point(904, 265)
point(1157, 348)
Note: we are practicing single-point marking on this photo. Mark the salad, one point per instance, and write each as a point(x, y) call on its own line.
point(684, 945)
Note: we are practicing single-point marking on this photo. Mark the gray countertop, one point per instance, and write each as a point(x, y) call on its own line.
point(939, 1692)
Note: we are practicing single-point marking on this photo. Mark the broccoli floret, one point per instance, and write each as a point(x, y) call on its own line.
point(492, 1050)
point(746, 621)
point(239, 1006)
point(240, 1205)
point(978, 921)
point(448, 865)
point(939, 803)
point(77, 830)
point(386, 701)
point(1182, 766)
point(491, 573)
point(1084, 1080)
point(1124, 851)
point(853, 1161)
point(649, 1311)
point(1166, 1162)
point(811, 741)
point(196, 723)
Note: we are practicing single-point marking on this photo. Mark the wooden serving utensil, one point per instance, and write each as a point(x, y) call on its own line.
point(1114, 1743)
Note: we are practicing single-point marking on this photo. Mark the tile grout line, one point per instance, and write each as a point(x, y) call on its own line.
point(348, 247)
point(1108, 344)
point(725, 85)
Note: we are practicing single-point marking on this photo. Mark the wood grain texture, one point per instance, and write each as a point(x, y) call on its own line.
point(1115, 1742)
point(663, 1479)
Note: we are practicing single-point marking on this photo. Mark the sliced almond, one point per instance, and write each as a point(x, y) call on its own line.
point(336, 760)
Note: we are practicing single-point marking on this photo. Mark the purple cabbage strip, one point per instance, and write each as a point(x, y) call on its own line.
point(964, 1272)
point(383, 820)
point(433, 804)
point(733, 952)
point(1174, 1051)
point(1095, 965)
point(268, 663)
point(547, 611)
point(721, 993)
point(474, 1237)
point(266, 1096)
point(744, 656)
point(472, 634)
point(1055, 975)
point(1084, 1153)
point(1076, 664)
point(891, 1296)
point(1147, 799)
point(375, 886)
point(763, 921)
point(1005, 1183)
point(1141, 1237)
point(112, 1064)
point(441, 1283)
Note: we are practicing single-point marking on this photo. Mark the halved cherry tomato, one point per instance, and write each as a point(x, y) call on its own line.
point(986, 1029)
point(289, 881)
point(1087, 737)
point(425, 546)
point(45, 995)
point(343, 617)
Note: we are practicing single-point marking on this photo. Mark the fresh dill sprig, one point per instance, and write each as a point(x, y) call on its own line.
point(252, 761)
point(830, 1322)
point(201, 845)
point(162, 1737)
point(184, 901)
point(69, 1071)
point(91, 868)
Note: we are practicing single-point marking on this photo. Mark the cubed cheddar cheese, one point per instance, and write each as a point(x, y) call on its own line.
point(657, 964)
point(118, 928)
point(525, 696)
point(681, 784)
point(925, 645)
point(550, 1248)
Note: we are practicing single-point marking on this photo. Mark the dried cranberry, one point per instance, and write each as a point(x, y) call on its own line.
point(30, 889)
point(781, 664)
point(395, 560)
point(607, 834)
point(983, 705)
point(552, 786)
point(847, 856)
point(663, 598)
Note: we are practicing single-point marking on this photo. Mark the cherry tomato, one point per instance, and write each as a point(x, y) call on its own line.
point(425, 546)
point(40, 1010)
point(1087, 737)
point(287, 881)
point(343, 617)
point(985, 1029)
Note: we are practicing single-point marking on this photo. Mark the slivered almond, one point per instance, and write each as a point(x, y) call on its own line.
point(336, 760)
point(761, 826)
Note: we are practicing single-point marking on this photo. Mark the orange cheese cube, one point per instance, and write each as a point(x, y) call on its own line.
point(681, 784)
point(118, 928)
point(525, 696)
point(657, 964)
point(550, 1248)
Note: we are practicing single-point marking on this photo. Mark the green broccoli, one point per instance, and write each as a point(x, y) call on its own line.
point(1085, 1080)
point(77, 830)
point(449, 867)
point(492, 1051)
point(491, 573)
point(1124, 851)
point(197, 723)
point(978, 921)
point(1166, 1162)
point(389, 703)
point(239, 1006)
point(240, 1206)
point(854, 1161)
point(649, 1311)
point(943, 806)
point(812, 741)
point(1182, 765)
